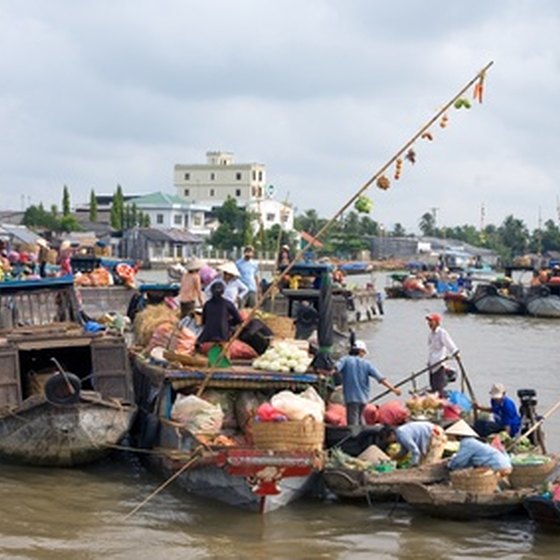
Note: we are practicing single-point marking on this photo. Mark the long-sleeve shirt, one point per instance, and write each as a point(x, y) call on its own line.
point(475, 453)
point(415, 437)
point(234, 290)
point(440, 345)
point(355, 378)
point(505, 413)
point(249, 272)
point(218, 316)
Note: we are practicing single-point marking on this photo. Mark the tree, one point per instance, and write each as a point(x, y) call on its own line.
point(309, 222)
point(514, 235)
point(65, 201)
point(235, 229)
point(38, 217)
point(92, 206)
point(398, 231)
point(117, 210)
point(427, 224)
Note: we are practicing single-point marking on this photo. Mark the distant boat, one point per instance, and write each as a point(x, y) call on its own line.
point(356, 267)
point(493, 300)
point(544, 301)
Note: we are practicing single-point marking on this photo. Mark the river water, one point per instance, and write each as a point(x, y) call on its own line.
point(80, 513)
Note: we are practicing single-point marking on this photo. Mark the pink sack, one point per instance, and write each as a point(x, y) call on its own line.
point(335, 414)
point(392, 413)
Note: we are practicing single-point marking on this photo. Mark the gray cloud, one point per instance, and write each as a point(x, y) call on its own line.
point(323, 92)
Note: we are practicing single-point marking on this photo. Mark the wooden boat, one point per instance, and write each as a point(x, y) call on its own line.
point(543, 510)
point(490, 299)
point(444, 501)
point(356, 267)
point(371, 485)
point(240, 475)
point(458, 302)
point(543, 301)
point(65, 394)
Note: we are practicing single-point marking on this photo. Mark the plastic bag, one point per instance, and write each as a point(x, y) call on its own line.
point(297, 407)
point(197, 415)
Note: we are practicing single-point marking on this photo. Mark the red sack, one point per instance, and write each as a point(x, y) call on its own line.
point(239, 350)
point(371, 414)
point(393, 413)
point(335, 414)
point(451, 412)
point(267, 413)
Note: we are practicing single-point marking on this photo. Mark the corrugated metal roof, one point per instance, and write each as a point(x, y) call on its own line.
point(21, 233)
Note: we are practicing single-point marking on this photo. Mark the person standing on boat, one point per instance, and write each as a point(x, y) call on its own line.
point(423, 440)
point(219, 316)
point(504, 410)
point(475, 453)
point(190, 292)
point(356, 371)
point(440, 345)
point(249, 275)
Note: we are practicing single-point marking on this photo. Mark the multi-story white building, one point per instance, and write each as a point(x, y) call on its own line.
point(220, 177)
point(211, 183)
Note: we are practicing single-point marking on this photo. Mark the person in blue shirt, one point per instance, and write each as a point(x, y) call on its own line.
point(356, 371)
point(475, 453)
point(504, 411)
point(249, 275)
point(423, 440)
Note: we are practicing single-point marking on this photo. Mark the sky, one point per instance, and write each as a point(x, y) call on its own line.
point(323, 92)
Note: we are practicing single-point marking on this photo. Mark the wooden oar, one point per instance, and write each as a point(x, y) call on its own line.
point(409, 378)
point(188, 464)
point(535, 426)
point(467, 381)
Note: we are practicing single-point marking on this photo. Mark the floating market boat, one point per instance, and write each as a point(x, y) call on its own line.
point(65, 393)
point(492, 299)
point(381, 484)
point(543, 301)
point(230, 468)
point(458, 302)
point(544, 510)
point(445, 501)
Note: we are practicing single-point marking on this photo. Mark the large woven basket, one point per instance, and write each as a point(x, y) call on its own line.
point(281, 327)
point(526, 475)
point(301, 435)
point(475, 481)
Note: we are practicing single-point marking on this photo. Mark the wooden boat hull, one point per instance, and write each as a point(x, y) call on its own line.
point(442, 500)
point(544, 306)
point(358, 485)
point(43, 434)
point(258, 480)
point(458, 303)
point(497, 305)
point(544, 511)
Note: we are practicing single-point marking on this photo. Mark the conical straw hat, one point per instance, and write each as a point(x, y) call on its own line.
point(461, 428)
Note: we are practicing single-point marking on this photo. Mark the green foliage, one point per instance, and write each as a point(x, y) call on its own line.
point(92, 206)
point(235, 229)
point(65, 202)
point(68, 223)
point(38, 217)
point(117, 210)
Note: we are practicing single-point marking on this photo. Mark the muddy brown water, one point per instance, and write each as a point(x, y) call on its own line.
point(79, 513)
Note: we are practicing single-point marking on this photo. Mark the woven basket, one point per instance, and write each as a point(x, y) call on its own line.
point(301, 435)
point(475, 481)
point(282, 327)
point(524, 476)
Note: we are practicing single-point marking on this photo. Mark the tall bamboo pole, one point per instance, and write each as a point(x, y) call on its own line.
point(276, 279)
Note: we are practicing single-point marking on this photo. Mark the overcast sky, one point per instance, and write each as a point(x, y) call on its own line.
point(323, 92)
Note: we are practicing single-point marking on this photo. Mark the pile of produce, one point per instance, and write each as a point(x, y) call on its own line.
point(425, 405)
point(284, 357)
point(149, 319)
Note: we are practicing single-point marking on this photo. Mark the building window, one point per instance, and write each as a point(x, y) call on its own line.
point(187, 192)
point(270, 217)
point(159, 218)
point(238, 176)
point(260, 176)
point(186, 220)
point(212, 192)
point(197, 220)
point(260, 192)
point(187, 176)
point(212, 176)
point(254, 175)
point(237, 192)
point(177, 219)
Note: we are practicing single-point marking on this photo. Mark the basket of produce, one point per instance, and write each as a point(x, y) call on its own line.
point(291, 435)
point(475, 480)
point(282, 327)
point(530, 469)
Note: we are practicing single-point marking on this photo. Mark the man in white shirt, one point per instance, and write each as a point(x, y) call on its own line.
point(440, 345)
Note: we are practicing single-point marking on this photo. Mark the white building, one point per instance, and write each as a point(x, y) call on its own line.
point(211, 183)
point(170, 211)
point(220, 177)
